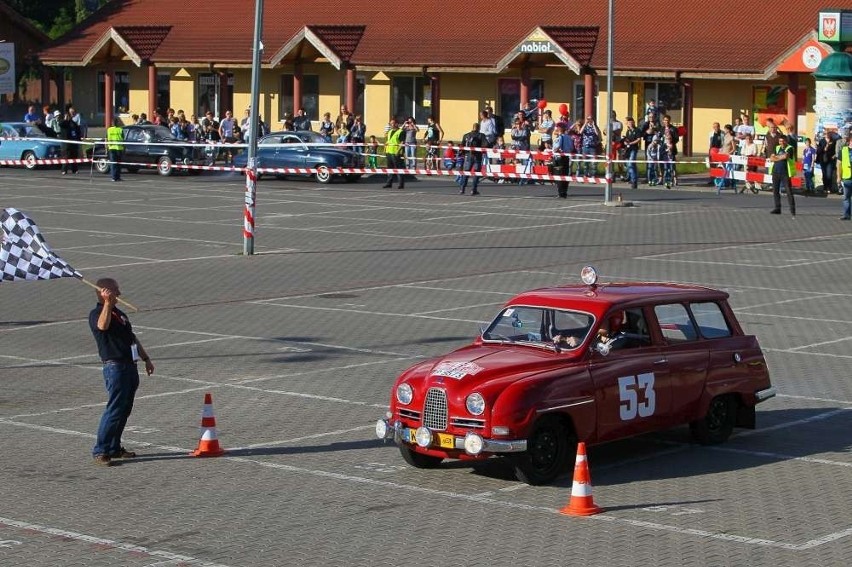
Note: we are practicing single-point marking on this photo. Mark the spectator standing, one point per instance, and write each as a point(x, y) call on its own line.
point(808, 164)
point(591, 140)
point(783, 169)
point(410, 138)
point(563, 147)
point(844, 175)
point(826, 155)
point(499, 125)
point(487, 128)
point(521, 143)
point(373, 153)
point(118, 349)
point(653, 155)
point(749, 150)
point(473, 157)
point(631, 140)
point(716, 136)
point(394, 152)
point(545, 130)
point(432, 137)
point(616, 146)
point(301, 121)
point(287, 122)
point(69, 132)
point(343, 124)
point(743, 130)
point(31, 117)
point(671, 139)
point(358, 134)
point(326, 127)
point(729, 147)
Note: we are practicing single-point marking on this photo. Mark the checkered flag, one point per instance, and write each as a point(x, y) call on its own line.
point(24, 255)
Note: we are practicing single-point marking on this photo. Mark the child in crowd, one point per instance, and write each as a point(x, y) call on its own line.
point(449, 157)
point(668, 154)
point(496, 158)
point(808, 162)
point(652, 155)
point(373, 153)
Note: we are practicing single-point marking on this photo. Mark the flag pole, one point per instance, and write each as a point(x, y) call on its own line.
point(127, 303)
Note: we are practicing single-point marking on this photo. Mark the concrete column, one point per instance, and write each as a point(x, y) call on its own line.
point(792, 93)
point(108, 96)
point(297, 87)
point(435, 84)
point(688, 103)
point(525, 86)
point(152, 88)
point(350, 88)
point(589, 95)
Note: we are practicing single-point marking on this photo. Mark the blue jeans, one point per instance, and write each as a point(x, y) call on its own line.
point(121, 381)
point(847, 198)
point(114, 167)
point(589, 167)
point(411, 156)
point(632, 170)
point(472, 163)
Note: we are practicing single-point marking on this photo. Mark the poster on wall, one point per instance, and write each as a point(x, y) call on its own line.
point(770, 102)
point(833, 106)
point(7, 68)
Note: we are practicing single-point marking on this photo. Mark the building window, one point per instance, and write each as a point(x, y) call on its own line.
point(209, 90)
point(579, 107)
point(510, 97)
point(407, 97)
point(310, 96)
point(120, 92)
point(164, 100)
point(668, 98)
point(360, 87)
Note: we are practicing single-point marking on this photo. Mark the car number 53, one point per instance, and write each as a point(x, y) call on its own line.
point(628, 394)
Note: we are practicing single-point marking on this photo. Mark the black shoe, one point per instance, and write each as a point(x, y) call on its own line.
point(474, 193)
point(844, 218)
point(774, 212)
point(123, 454)
point(401, 187)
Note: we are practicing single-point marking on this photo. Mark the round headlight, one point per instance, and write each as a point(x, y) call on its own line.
point(381, 429)
point(404, 393)
point(473, 444)
point(423, 437)
point(475, 403)
point(589, 275)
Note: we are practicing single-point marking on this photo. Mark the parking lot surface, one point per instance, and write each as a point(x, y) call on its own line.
point(300, 343)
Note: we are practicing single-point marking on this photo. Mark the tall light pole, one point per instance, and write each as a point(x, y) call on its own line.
point(608, 145)
point(251, 162)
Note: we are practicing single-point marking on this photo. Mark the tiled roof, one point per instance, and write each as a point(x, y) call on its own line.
point(694, 36)
point(144, 40)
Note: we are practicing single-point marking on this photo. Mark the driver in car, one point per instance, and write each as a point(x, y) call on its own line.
point(609, 333)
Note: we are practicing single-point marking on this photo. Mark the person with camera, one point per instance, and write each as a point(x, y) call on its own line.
point(394, 152)
point(591, 141)
point(410, 129)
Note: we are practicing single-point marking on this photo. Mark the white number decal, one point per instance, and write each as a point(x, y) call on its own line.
point(628, 394)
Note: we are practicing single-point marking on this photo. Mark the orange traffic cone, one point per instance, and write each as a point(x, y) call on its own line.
point(208, 445)
point(581, 503)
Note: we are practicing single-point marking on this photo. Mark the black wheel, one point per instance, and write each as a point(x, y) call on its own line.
point(165, 165)
point(550, 448)
point(102, 165)
point(419, 460)
point(29, 159)
point(323, 174)
point(719, 422)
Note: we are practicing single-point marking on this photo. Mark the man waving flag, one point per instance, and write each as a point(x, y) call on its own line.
point(24, 255)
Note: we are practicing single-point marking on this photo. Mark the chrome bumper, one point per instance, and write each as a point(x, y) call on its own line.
point(762, 395)
point(387, 430)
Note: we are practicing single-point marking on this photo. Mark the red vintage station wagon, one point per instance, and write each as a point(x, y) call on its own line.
point(593, 363)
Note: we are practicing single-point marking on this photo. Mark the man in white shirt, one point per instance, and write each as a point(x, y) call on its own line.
point(743, 130)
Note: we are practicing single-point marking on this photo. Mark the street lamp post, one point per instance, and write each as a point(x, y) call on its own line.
point(254, 126)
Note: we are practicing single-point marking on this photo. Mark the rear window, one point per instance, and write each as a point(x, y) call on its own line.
point(711, 321)
point(675, 323)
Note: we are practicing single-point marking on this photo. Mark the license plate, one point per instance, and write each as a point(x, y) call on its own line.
point(446, 441)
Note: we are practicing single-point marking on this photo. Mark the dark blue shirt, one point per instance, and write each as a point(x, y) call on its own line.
point(114, 343)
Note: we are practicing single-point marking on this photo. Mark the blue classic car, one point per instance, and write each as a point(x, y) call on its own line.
point(22, 141)
point(303, 150)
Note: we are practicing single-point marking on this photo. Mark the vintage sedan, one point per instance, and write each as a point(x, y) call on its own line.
point(25, 142)
point(589, 363)
point(304, 150)
point(149, 144)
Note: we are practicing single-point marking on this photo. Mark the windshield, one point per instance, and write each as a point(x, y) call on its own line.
point(160, 133)
point(538, 326)
point(21, 131)
point(310, 137)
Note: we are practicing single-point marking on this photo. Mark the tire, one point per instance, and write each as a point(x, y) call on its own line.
point(352, 177)
point(718, 424)
point(419, 460)
point(550, 448)
point(29, 159)
point(165, 165)
point(101, 165)
point(323, 174)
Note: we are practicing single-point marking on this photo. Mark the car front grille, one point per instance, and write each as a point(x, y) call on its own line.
point(435, 409)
